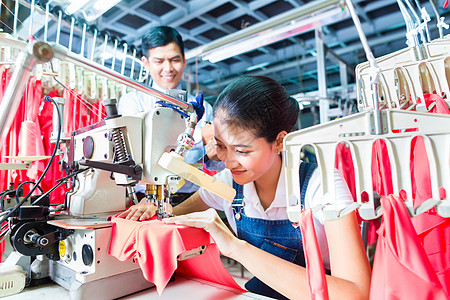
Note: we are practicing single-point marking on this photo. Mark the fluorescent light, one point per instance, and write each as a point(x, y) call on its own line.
point(104, 5)
point(91, 9)
point(273, 35)
point(75, 6)
point(293, 22)
point(98, 8)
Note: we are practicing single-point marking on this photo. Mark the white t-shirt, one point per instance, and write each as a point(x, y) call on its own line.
point(277, 210)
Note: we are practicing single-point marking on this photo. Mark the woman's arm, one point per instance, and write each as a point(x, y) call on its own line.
point(350, 269)
point(192, 204)
point(144, 211)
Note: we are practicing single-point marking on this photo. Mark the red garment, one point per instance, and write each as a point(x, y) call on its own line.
point(315, 273)
point(344, 163)
point(440, 106)
point(5, 75)
point(97, 113)
point(433, 230)
point(381, 169)
point(156, 246)
point(68, 112)
point(30, 139)
point(401, 268)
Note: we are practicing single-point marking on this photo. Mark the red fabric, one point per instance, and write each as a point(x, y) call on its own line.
point(433, 230)
point(381, 181)
point(401, 268)
point(446, 4)
point(31, 97)
point(30, 139)
point(98, 112)
point(209, 172)
point(5, 75)
point(381, 169)
point(315, 273)
point(157, 245)
point(440, 106)
point(344, 163)
point(69, 111)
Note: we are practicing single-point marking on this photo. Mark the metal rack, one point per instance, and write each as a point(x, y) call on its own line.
point(360, 131)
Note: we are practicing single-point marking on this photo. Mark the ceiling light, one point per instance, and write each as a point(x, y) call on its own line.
point(75, 6)
point(91, 9)
point(99, 8)
point(294, 22)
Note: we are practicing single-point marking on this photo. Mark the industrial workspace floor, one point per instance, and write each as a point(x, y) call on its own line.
point(239, 273)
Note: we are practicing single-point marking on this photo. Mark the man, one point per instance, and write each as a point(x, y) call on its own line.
point(165, 62)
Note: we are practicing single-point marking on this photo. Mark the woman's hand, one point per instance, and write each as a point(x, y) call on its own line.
point(141, 211)
point(209, 220)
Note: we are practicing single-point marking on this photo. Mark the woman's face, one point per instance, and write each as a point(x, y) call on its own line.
point(249, 158)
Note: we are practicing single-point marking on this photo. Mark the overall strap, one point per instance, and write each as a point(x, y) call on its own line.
point(305, 171)
point(237, 203)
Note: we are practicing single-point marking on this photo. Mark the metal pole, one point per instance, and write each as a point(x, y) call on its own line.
point(83, 37)
point(58, 30)
point(375, 70)
point(124, 58)
point(30, 29)
point(105, 46)
point(94, 41)
point(72, 24)
point(321, 76)
point(46, 22)
point(16, 16)
point(63, 54)
point(113, 64)
point(344, 79)
point(132, 63)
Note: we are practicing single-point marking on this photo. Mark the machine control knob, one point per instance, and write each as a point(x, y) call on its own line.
point(87, 254)
point(88, 147)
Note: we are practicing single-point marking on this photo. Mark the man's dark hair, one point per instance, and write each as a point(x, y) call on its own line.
point(161, 36)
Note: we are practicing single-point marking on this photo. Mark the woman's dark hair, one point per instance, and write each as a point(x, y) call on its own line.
point(259, 104)
point(161, 36)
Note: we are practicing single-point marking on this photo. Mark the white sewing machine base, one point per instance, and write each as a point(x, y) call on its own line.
point(181, 288)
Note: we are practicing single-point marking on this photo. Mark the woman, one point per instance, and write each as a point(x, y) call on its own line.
point(251, 118)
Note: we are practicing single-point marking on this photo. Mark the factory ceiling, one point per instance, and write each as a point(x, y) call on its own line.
point(291, 60)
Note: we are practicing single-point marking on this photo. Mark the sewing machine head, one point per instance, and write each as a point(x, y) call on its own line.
point(121, 151)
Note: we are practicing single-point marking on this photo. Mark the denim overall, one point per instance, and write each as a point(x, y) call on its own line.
point(278, 237)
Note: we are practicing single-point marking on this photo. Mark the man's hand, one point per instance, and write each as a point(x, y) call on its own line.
point(211, 150)
point(208, 141)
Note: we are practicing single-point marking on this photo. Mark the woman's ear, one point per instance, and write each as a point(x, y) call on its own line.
point(279, 141)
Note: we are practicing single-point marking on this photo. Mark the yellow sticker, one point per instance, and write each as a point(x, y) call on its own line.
point(62, 248)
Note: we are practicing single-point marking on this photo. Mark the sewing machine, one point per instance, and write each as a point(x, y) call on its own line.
point(106, 160)
point(119, 153)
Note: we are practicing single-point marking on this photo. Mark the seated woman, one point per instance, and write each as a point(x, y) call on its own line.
point(251, 118)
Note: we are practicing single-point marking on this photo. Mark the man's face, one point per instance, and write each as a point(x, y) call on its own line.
point(165, 65)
